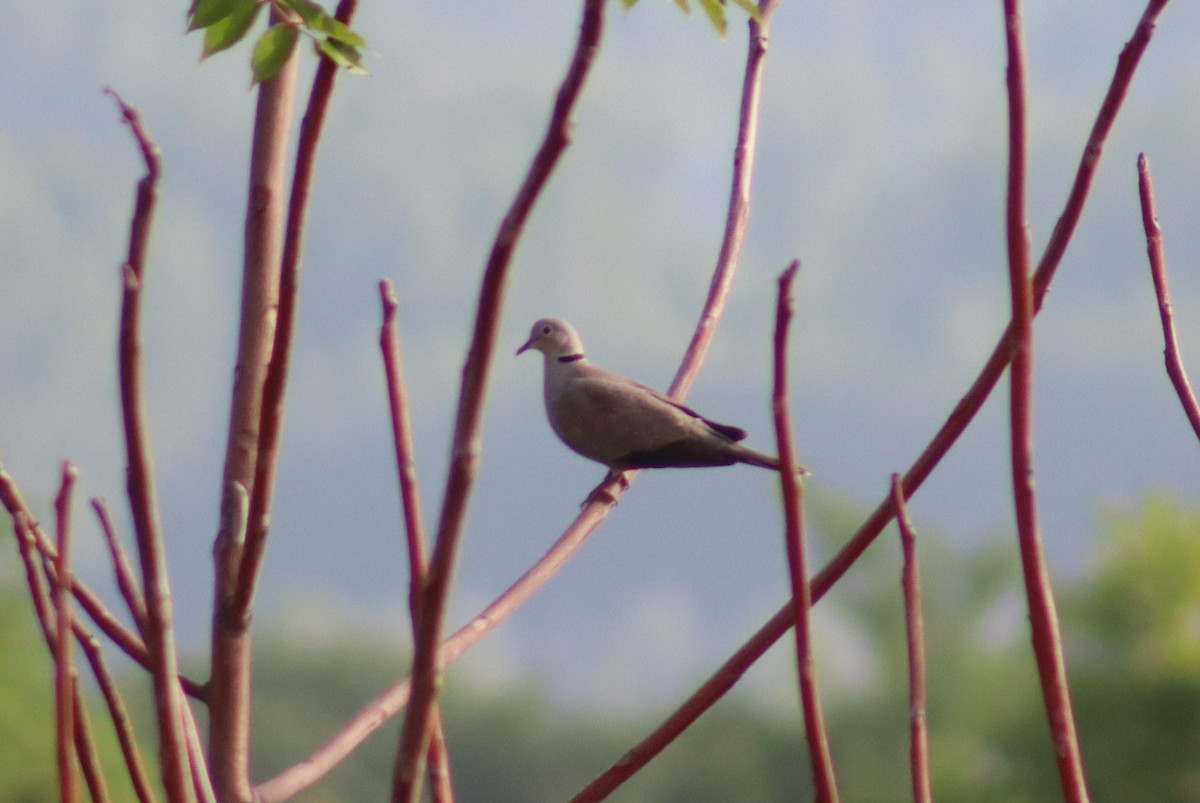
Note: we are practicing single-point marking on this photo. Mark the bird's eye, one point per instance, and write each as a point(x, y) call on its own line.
point(546, 330)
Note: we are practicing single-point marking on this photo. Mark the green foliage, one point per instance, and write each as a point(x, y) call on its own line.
point(713, 9)
point(226, 22)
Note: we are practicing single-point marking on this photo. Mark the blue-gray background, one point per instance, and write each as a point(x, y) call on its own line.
point(881, 166)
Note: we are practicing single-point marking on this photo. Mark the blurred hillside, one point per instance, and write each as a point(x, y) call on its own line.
point(1132, 644)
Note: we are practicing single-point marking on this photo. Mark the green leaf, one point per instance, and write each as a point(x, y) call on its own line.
point(206, 12)
point(343, 55)
point(715, 10)
point(227, 32)
point(272, 49)
point(629, 3)
point(321, 21)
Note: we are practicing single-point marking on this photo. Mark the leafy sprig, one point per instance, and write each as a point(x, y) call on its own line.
point(713, 9)
point(226, 22)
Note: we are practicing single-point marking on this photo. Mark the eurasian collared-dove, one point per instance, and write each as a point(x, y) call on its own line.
point(621, 423)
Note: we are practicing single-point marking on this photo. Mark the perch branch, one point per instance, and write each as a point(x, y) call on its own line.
point(143, 498)
point(824, 780)
point(915, 635)
point(468, 424)
point(1158, 271)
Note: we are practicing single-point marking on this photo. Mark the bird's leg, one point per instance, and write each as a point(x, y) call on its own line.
point(601, 493)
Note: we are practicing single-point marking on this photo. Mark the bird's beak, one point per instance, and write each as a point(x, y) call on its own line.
point(524, 348)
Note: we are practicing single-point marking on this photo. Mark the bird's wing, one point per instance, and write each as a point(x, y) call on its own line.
point(729, 431)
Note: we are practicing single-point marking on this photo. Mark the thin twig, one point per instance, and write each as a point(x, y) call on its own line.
point(914, 621)
point(738, 211)
point(438, 758)
point(143, 498)
point(410, 498)
point(119, 714)
point(824, 780)
point(468, 424)
point(30, 557)
point(956, 423)
point(1043, 617)
point(1158, 271)
point(127, 582)
point(125, 639)
point(64, 661)
point(85, 746)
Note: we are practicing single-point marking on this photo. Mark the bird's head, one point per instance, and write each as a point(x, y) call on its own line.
point(555, 338)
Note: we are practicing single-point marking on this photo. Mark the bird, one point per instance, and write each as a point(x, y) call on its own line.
point(624, 424)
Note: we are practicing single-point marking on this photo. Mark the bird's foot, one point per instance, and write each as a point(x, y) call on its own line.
point(601, 492)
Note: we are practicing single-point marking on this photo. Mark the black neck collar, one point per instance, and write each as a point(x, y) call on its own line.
point(570, 357)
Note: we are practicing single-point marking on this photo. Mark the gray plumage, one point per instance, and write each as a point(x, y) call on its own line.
point(624, 424)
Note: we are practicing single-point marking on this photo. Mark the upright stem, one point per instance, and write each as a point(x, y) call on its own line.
point(229, 704)
point(143, 495)
point(1047, 641)
point(820, 758)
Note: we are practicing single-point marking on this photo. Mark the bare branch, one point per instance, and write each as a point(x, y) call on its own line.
point(119, 715)
point(414, 526)
point(738, 212)
point(1047, 641)
point(468, 424)
point(64, 662)
point(85, 747)
point(1158, 271)
point(441, 788)
point(824, 780)
point(143, 498)
point(915, 635)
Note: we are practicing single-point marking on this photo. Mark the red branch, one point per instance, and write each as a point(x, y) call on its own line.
point(143, 498)
point(1158, 271)
point(468, 424)
point(119, 715)
point(915, 634)
point(441, 788)
point(824, 780)
point(1043, 618)
point(127, 582)
point(64, 662)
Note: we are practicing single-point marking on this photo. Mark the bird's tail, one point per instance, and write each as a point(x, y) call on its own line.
point(755, 458)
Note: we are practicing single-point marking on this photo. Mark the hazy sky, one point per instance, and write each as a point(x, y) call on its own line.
point(881, 166)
